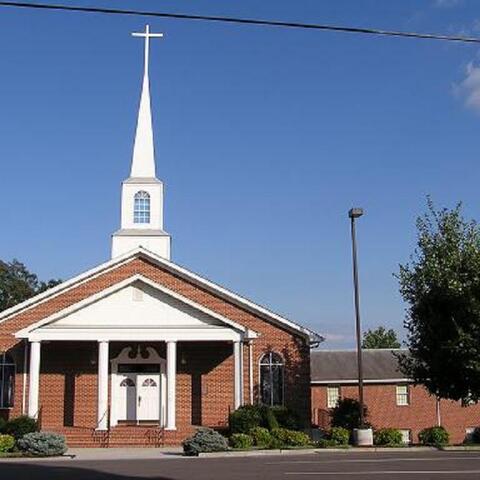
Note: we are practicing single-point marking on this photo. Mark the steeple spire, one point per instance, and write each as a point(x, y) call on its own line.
point(143, 161)
point(142, 193)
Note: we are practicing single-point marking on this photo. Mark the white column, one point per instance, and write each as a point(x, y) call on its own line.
point(250, 371)
point(171, 385)
point(102, 395)
point(238, 373)
point(34, 379)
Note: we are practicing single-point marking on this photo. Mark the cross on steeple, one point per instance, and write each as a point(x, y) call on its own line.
point(147, 35)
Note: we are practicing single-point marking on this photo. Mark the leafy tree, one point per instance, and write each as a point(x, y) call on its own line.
point(347, 414)
point(18, 284)
point(441, 286)
point(380, 338)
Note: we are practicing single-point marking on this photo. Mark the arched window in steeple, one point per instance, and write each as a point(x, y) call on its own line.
point(141, 207)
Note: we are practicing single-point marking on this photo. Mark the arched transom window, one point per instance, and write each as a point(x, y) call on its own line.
point(141, 207)
point(7, 380)
point(271, 379)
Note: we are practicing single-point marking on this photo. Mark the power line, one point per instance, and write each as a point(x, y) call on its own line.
point(245, 21)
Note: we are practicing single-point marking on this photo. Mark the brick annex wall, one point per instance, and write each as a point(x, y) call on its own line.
point(384, 412)
point(68, 378)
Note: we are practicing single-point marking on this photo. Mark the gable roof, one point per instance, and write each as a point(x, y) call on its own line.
point(141, 252)
point(340, 366)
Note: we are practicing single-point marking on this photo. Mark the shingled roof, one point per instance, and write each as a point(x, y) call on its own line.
point(340, 366)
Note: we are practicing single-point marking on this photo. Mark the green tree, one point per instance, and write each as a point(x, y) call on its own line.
point(18, 284)
point(380, 338)
point(441, 286)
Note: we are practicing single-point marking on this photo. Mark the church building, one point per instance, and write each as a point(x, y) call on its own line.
point(140, 350)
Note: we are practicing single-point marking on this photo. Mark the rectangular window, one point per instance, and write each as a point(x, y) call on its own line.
point(402, 395)
point(7, 383)
point(406, 436)
point(333, 395)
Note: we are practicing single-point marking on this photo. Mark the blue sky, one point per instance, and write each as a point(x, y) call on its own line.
point(265, 137)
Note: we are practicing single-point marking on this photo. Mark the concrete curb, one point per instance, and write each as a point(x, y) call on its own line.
point(461, 448)
point(306, 451)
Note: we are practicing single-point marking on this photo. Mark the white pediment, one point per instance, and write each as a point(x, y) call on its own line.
point(136, 305)
point(139, 307)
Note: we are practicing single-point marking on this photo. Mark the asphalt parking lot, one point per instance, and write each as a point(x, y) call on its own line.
point(325, 466)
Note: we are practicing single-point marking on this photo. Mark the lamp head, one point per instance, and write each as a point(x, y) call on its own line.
point(355, 212)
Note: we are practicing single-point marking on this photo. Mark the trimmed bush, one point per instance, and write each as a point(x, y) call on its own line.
point(388, 436)
point(329, 443)
point(291, 438)
point(20, 426)
point(339, 436)
point(269, 418)
point(245, 418)
point(241, 441)
point(261, 437)
point(42, 444)
point(286, 418)
point(435, 436)
point(347, 414)
point(7, 442)
point(204, 440)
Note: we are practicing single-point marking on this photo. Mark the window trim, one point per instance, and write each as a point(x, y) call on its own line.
point(406, 395)
point(260, 378)
point(145, 212)
point(7, 360)
point(339, 395)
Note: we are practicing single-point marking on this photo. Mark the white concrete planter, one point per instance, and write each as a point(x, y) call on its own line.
point(363, 437)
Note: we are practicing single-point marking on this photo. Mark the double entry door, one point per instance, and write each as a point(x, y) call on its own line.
point(138, 395)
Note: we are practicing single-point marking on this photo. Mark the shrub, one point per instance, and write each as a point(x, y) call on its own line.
point(3, 422)
point(387, 436)
point(329, 443)
point(436, 436)
point(261, 437)
point(241, 440)
point(347, 414)
point(42, 444)
point(204, 440)
point(339, 436)
point(20, 426)
point(269, 418)
point(286, 418)
point(7, 442)
point(245, 418)
point(475, 437)
point(291, 438)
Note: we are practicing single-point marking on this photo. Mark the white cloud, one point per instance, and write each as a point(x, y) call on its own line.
point(446, 3)
point(469, 87)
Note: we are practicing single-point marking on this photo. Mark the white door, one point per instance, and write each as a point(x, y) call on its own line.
point(148, 397)
point(126, 398)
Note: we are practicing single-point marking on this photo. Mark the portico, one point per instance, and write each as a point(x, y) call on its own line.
point(137, 384)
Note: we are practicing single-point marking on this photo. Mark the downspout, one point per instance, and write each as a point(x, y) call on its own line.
point(438, 412)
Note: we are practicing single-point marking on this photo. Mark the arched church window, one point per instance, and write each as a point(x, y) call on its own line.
point(141, 207)
point(127, 382)
point(149, 382)
point(7, 380)
point(271, 379)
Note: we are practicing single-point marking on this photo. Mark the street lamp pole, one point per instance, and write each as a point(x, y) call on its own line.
point(353, 214)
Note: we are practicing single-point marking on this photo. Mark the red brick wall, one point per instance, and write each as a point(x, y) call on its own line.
point(384, 412)
point(204, 383)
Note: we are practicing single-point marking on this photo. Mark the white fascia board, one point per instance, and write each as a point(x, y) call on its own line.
point(354, 382)
point(26, 332)
point(67, 285)
point(141, 251)
point(245, 303)
point(136, 335)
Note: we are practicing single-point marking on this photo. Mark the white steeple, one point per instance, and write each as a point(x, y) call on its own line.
point(143, 161)
point(142, 192)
